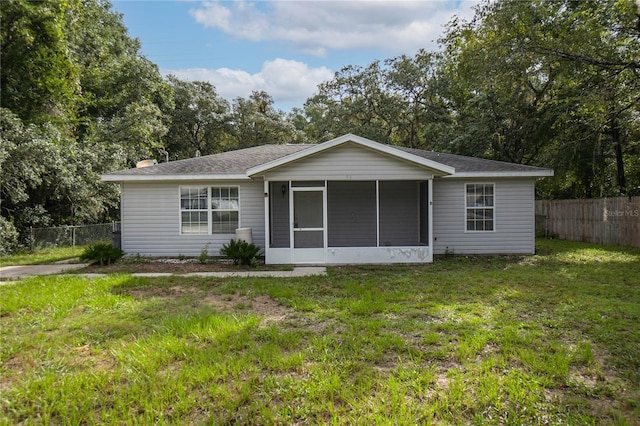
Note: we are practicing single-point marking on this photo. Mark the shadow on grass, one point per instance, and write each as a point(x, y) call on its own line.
point(550, 246)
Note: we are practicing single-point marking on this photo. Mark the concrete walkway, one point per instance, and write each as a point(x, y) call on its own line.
point(24, 271)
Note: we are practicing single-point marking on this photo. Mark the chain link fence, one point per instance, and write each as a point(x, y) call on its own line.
point(542, 227)
point(77, 235)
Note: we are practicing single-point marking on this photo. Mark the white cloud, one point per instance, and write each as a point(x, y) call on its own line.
point(316, 26)
point(289, 82)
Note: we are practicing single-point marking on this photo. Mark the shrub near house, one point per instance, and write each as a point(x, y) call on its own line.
point(242, 252)
point(102, 253)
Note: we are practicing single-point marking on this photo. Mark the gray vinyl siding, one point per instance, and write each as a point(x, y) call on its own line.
point(279, 214)
point(351, 216)
point(399, 213)
point(150, 214)
point(513, 218)
point(349, 162)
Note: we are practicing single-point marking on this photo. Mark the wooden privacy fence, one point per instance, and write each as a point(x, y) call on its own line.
point(596, 220)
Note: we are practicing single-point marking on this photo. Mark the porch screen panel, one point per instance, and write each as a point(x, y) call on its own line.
point(399, 213)
point(279, 214)
point(351, 214)
point(308, 239)
point(424, 213)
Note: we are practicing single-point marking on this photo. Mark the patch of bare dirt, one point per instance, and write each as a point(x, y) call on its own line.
point(263, 305)
point(173, 266)
point(87, 357)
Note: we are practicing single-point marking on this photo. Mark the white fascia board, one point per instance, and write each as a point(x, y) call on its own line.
point(149, 178)
point(439, 167)
point(535, 173)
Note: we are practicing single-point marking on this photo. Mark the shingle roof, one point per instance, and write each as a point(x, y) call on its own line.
point(464, 164)
point(226, 163)
point(237, 163)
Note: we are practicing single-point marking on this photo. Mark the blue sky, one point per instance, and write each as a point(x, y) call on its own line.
point(283, 47)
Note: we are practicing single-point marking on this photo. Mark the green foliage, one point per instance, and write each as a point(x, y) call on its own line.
point(47, 178)
point(398, 101)
point(355, 101)
point(242, 252)
point(199, 120)
point(546, 83)
point(203, 257)
point(102, 253)
point(9, 239)
point(257, 122)
point(78, 99)
point(552, 83)
point(39, 80)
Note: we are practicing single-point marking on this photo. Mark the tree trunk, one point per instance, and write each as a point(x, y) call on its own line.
point(617, 145)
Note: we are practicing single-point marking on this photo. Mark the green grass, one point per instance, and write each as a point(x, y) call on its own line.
point(546, 339)
point(42, 256)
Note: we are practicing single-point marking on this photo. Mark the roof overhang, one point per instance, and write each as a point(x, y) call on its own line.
point(439, 169)
point(512, 174)
point(150, 178)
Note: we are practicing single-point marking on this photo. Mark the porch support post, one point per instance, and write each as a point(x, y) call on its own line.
point(430, 214)
point(291, 219)
point(325, 219)
point(377, 213)
point(267, 220)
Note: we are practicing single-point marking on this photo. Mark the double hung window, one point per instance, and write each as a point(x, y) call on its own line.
point(194, 215)
point(225, 206)
point(480, 206)
point(209, 210)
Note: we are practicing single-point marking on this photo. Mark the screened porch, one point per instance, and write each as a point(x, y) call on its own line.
point(372, 221)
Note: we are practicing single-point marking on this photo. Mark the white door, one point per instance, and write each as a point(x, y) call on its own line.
point(308, 225)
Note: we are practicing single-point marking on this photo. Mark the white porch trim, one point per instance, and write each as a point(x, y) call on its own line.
point(344, 255)
point(436, 168)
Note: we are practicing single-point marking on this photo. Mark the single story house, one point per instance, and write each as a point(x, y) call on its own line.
point(345, 201)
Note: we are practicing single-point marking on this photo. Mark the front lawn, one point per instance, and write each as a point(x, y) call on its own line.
point(548, 339)
point(42, 256)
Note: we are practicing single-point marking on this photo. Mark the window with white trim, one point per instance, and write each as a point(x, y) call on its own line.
point(480, 206)
point(209, 210)
point(225, 209)
point(194, 214)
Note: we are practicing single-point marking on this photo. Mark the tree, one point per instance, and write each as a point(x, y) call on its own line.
point(45, 180)
point(38, 79)
point(355, 101)
point(256, 122)
point(607, 52)
point(397, 102)
point(502, 95)
point(199, 120)
point(78, 99)
point(124, 98)
point(550, 83)
point(421, 115)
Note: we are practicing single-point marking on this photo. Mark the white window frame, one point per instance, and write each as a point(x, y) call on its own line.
point(206, 210)
point(212, 210)
point(209, 209)
point(467, 207)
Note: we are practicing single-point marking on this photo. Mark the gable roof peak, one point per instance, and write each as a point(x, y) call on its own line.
point(439, 169)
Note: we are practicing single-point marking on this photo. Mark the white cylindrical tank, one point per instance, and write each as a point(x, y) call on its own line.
point(146, 163)
point(244, 234)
